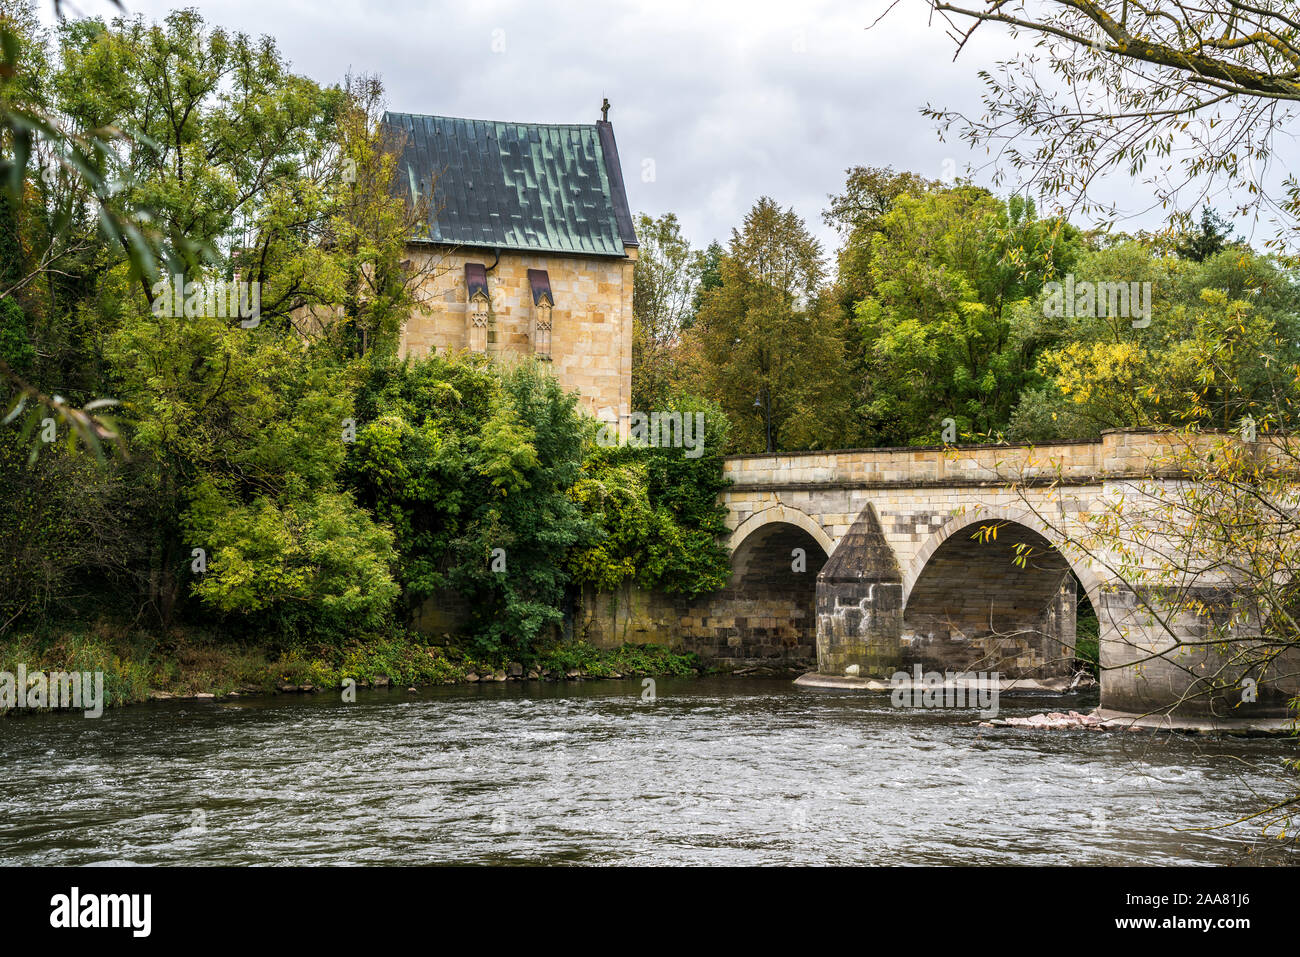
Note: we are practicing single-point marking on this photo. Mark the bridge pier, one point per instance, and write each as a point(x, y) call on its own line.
point(971, 609)
point(1157, 657)
point(860, 603)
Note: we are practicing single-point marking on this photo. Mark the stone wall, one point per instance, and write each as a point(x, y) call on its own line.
point(1203, 677)
point(591, 339)
point(764, 618)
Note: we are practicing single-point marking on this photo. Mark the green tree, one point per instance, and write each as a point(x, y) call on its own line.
point(709, 267)
point(1220, 346)
point(234, 427)
point(767, 347)
point(527, 457)
point(869, 193)
point(940, 339)
point(664, 281)
point(417, 425)
point(660, 521)
point(1213, 235)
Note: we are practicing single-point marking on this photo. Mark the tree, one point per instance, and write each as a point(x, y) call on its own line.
point(1207, 558)
point(417, 423)
point(1213, 235)
point(1217, 346)
point(664, 281)
point(869, 193)
point(509, 558)
point(234, 428)
point(709, 268)
point(658, 514)
point(951, 270)
point(74, 194)
point(1114, 85)
point(768, 349)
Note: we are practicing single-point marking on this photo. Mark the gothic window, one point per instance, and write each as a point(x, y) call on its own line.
point(476, 320)
point(540, 284)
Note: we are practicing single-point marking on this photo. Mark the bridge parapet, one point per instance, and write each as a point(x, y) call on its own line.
point(914, 466)
point(1120, 453)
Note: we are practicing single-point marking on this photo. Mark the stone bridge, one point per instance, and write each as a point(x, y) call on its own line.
point(888, 558)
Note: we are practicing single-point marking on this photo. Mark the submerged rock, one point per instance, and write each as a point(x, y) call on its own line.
point(1053, 720)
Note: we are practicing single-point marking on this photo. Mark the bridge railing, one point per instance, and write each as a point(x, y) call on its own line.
point(1119, 453)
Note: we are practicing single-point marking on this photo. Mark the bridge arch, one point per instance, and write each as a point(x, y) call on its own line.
point(967, 605)
point(784, 514)
point(982, 515)
point(768, 611)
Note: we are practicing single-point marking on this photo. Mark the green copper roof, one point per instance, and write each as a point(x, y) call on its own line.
point(518, 185)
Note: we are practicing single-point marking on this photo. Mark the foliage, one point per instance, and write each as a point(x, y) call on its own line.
point(417, 422)
point(664, 281)
point(659, 519)
point(1210, 239)
point(1192, 95)
point(463, 459)
point(869, 193)
point(627, 659)
point(136, 664)
point(766, 344)
point(403, 659)
point(127, 677)
point(64, 534)
point(949, 270)
point(530, 452)
point(235, 168)
point(1220, 347)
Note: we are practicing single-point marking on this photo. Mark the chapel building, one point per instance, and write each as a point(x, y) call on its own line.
point(532, 239)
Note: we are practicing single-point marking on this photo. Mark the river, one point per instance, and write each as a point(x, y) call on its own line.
point(712, 771)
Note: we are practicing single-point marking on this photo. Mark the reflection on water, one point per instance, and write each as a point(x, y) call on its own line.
point(715, 771)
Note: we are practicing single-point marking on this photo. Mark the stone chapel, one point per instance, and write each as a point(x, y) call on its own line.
point(534, 245)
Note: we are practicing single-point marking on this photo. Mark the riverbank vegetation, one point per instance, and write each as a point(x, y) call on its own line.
point(286, 491)
point(141, 665)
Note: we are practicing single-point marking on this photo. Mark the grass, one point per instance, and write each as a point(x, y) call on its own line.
point(137, 664)
point(625, 660)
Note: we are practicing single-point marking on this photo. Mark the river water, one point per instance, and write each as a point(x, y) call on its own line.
point(712, 771)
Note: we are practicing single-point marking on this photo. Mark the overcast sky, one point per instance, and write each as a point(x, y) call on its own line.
point(713, 104)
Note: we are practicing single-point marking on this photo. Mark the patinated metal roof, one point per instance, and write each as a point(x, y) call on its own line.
point(518, 185)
